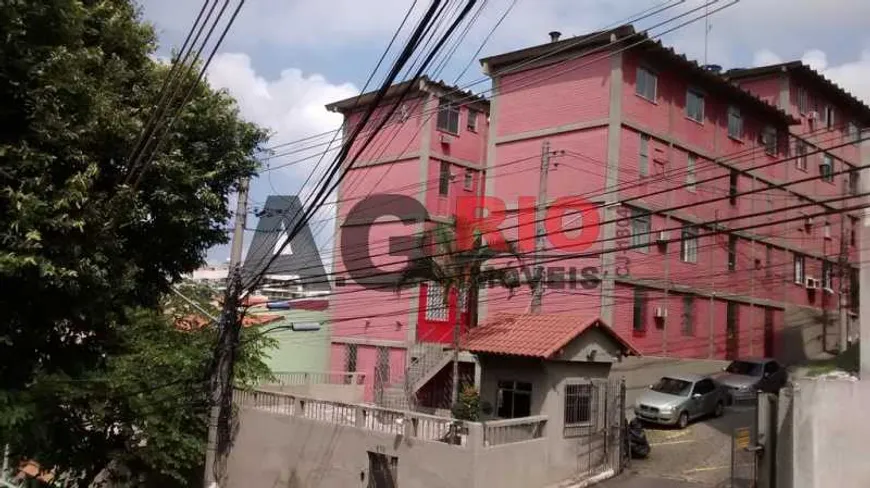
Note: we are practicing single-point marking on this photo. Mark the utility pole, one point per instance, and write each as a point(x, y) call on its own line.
point(540, 228)
point(217, 450)
point(844, 274)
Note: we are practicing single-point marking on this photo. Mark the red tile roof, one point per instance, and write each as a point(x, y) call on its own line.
point(540, 336)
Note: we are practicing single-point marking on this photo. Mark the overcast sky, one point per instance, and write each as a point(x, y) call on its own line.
point(285, 59)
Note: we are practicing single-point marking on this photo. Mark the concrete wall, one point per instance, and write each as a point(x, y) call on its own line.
point(823, 435)
point(286, 451)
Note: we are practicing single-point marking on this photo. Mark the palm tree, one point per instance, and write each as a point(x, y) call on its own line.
point(459, 271)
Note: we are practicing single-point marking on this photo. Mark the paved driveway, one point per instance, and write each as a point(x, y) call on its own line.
point(699, 454)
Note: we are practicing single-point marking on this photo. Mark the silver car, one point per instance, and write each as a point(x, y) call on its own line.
point(744, 377)
point(679, 399)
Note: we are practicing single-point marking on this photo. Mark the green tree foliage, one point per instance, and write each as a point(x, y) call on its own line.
point(85, 260)
point(467, 406)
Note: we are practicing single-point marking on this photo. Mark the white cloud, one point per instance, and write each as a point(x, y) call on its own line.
point(292, 107)
point(815, 59)
point(851, 75)
point(765, 57)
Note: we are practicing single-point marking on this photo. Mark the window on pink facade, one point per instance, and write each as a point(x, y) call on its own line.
point(688, 315)
point(689, 244)
point(826, 169)
point(691, 163)
point(799, 269)
point(646, 84)
point(803, 101)
point(735, 123)
point(768, 140)
point(800, 148)
point(695, 105)
point(436, 309)
point(643, 157)
point(471, 125)
point(448, 116)
point(444, 179)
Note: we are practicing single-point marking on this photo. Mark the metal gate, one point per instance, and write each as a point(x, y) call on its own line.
point(595, 417)
point(749, 441)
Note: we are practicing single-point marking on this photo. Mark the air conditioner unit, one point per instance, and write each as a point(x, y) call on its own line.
point(661, 312)
point(662, 237)
point(813, 115)
point(808, 222)
point(812, 283)
point(828, 290)
point(446, 139)
point(827, 232)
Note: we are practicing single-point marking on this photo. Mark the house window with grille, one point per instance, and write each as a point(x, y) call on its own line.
point(735, 123)
point(690, 172)
point(444, 179)
point(639, 319)
point(646, 84)
point(695, 105)
point(640, 230)
point(435, 306)
point(643, 159)
point(853, 182)
point(448, 116)
point(799, 269)
point(514, 399)
point(829, 117)
point(689, 244)
point(688, 315)
point(800, 148)
point(578, 408)
point(826, 169)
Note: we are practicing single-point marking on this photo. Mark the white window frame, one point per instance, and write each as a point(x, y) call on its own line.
point(738, 117)
point(647, 75)
point(689, 244)
point(800, 149)
point(800, 269)
point(827, 160)
point(699, 95)
point(448, 116)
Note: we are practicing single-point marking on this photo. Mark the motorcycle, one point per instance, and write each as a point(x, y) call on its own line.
point(635, 439)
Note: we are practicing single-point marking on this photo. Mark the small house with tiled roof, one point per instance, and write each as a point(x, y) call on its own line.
point(554, 366)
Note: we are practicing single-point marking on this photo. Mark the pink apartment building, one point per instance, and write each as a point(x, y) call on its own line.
point(432, 149)
point(685, 264)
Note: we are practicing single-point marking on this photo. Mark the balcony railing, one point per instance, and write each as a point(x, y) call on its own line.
point(508, 431)
point(396, 422)
point(294, 378)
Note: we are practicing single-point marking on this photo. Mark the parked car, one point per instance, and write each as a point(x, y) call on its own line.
point(742, 378)
point(679, 399)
